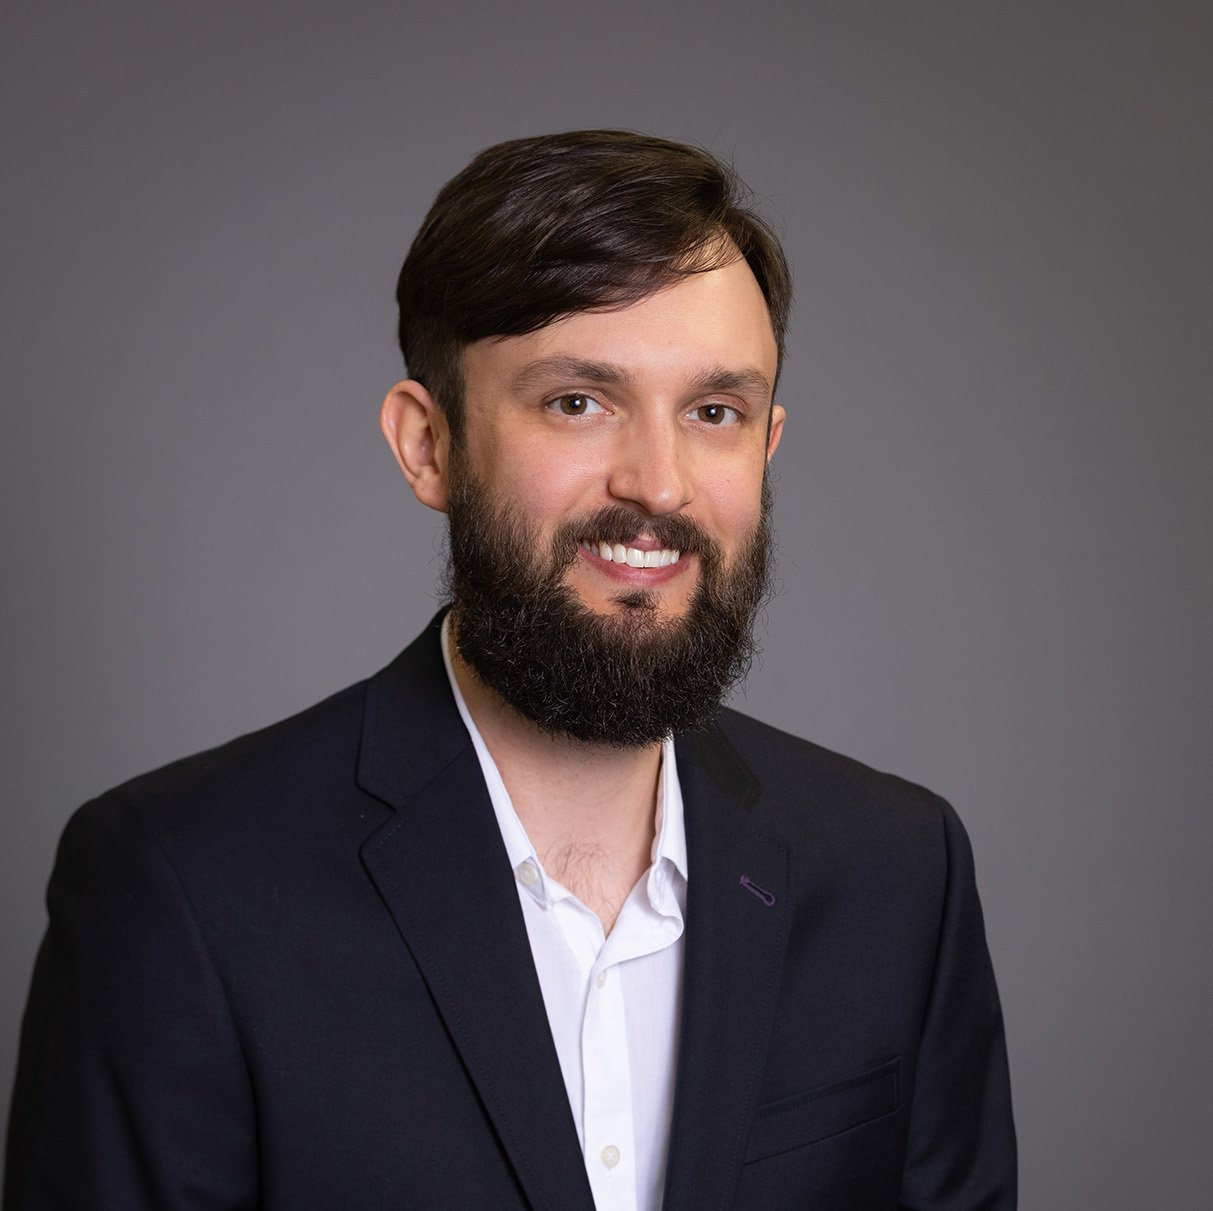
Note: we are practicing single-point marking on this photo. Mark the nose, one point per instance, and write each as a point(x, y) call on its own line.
point(649, 468)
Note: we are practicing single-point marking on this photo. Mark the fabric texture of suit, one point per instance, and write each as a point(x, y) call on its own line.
point(292, 973)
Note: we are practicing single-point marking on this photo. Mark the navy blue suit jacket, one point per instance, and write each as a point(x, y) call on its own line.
point(292, 973)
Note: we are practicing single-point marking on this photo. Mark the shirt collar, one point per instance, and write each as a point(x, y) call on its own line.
point(669, 842)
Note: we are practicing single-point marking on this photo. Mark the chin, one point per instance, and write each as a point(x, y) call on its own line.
point(632, 601)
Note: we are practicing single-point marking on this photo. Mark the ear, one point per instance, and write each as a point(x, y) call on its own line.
point(776, 430)
point(417, 431)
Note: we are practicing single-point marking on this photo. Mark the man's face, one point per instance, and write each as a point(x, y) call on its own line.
point(608, 535)
point(658, 410)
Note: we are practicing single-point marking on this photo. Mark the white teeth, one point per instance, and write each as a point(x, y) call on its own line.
point(633, 557)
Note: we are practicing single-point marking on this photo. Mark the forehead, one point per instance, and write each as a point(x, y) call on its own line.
point(704, 323)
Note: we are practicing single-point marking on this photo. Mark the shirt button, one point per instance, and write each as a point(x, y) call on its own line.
point(610, 1156)
point(528, 872)
point(600, 979)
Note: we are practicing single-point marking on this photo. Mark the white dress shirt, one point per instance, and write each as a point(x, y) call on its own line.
point(612, 1002)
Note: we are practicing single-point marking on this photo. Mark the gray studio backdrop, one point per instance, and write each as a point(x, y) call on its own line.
point(994, 493)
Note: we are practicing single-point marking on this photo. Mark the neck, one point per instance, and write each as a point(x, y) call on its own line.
point(589, 809)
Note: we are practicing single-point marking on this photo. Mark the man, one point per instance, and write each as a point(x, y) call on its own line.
point(526, 920)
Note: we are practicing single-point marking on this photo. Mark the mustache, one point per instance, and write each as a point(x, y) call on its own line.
point(619, 524)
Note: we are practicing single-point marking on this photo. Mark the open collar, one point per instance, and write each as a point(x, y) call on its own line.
point(417, 756)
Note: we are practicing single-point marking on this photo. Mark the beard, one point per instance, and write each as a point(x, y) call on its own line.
point(626, 679)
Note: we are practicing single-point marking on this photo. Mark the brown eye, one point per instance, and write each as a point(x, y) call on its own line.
point(575, 405)
point(716, 414)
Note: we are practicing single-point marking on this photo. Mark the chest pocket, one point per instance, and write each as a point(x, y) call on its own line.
point(804, 1118)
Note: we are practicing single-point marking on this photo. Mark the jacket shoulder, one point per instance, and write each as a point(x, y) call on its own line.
point(271, 787)
point(811, 795)
point(780, 758)
point(297, 750)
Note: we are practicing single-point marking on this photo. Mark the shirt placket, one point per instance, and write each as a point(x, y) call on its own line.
point(606, 1120)
point(610, 1145)
point(610, 1148)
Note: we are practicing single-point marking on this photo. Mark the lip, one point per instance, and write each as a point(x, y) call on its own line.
point(624, 573)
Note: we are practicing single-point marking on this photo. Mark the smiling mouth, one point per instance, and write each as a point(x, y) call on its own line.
point(632, 557)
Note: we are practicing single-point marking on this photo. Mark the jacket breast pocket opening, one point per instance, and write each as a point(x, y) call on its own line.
point(804, 1118)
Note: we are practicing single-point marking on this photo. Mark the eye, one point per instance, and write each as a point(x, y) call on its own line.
point(575, 404)
point(716, 414)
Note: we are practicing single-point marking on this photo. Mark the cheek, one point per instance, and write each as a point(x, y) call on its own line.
point(734, 507)
point(542, 494)
point(546, 489)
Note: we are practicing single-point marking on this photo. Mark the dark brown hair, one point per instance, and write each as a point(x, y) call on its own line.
point(536, 229)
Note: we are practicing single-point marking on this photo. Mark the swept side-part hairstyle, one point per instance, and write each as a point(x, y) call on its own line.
point(536, 229)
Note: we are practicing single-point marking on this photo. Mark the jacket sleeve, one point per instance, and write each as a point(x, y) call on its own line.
point(961, 1152)
point(131, 1090)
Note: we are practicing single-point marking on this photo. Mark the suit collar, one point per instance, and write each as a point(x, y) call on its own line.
point(410, 727)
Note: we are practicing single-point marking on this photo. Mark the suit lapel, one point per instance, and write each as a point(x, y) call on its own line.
point(441, 868)
point(738, 915)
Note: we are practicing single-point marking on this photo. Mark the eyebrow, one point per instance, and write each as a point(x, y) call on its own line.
point(745, 380)
point(545, 368)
